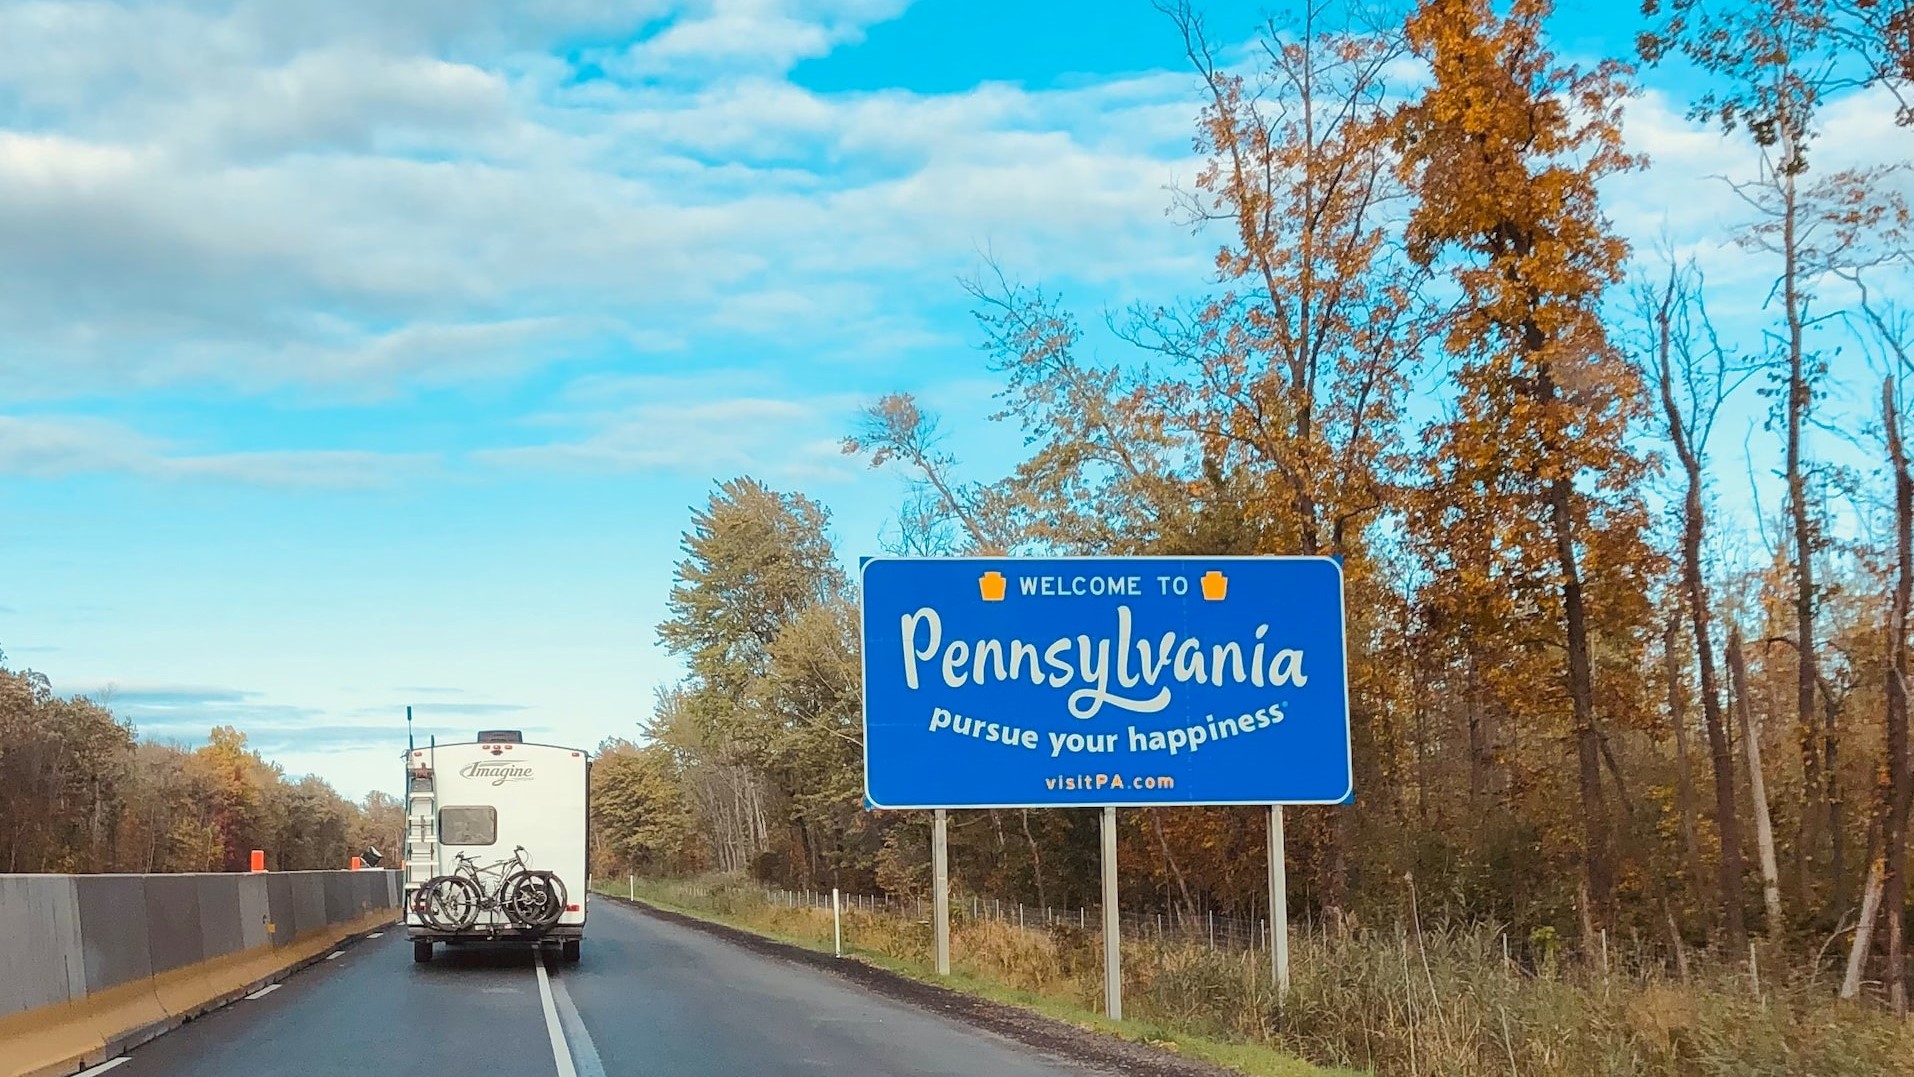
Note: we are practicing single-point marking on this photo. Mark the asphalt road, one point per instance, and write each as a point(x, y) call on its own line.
point(648, 999)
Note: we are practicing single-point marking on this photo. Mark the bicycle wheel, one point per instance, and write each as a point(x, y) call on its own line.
point(447, 902)
point(533, 899)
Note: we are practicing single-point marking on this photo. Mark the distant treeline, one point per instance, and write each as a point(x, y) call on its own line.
point(80, 792)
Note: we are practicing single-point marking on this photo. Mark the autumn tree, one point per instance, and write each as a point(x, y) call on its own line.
point(1503, 153)
point(754, 559)
point(1694, 375)
point(758, 612)
point(1771, 64)
point(1881, 33)
point(812, 697)
point(1889, 337)
point(943, 513)
point(641, 819)
point(79, 792)
point(62, 770)
point(1105, 472)
point(378, 823)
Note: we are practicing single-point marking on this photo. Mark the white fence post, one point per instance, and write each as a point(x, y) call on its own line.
point(837, 926)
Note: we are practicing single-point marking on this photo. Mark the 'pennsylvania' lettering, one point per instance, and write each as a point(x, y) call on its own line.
point(1134, 663)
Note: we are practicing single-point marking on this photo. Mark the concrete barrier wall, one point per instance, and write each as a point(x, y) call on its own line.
point(96, 964)
point(219, 927)
point(40, 921)
point(308, 902)
point(279, 909)
point(255, 913)
point(113, 923)
point(339, 903)
point(173, 936)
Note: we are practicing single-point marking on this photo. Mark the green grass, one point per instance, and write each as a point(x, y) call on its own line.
point(815, 934)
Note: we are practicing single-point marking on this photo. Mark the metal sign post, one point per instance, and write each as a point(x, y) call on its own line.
point(940, 888)
point(1112, 922)
point(1278, 904)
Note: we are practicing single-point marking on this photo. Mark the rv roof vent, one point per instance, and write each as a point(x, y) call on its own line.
point(500, 736)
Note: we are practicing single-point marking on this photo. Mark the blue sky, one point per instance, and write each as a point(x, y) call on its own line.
point(361, 354)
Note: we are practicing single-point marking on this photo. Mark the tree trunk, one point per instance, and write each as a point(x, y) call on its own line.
point(1684, 781)
point(1169, 860)
point(1695, 592)
point(1900, 781)
point(1863, 932)
point(1595, 823)
point(1675, 941)
point(1831, 774)
point(1036, 858)
point(1478, 740)
point(1757, 785)
point(1798, 401)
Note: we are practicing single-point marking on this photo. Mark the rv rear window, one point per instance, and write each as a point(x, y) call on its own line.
point(468, 826)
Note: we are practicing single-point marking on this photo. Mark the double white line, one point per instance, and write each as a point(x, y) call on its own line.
point(579, 1056)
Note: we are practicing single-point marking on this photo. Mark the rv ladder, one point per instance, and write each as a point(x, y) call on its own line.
point(421, 829)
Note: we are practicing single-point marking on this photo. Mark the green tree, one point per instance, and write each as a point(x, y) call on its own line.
point(642, 821)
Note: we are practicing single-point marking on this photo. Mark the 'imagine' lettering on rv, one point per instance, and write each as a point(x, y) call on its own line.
point(500, 773)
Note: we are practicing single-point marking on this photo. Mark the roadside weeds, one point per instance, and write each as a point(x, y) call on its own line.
point(1065, 1032)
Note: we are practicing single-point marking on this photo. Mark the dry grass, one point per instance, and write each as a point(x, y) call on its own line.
point(1439, 1005)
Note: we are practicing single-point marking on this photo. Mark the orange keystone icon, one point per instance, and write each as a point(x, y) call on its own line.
point(1215, 586)
point(259, 860)
point(991, 586)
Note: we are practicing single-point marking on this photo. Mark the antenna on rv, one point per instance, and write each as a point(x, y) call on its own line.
point(408, 730)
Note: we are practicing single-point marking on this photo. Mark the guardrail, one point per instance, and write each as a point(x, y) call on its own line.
point(97, 964)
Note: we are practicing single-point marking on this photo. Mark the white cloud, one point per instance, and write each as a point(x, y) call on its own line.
point(330, 194)
point(709, 425)
point(356, 200)
point(52, 447)
point(760, 35)
point(1684, 202)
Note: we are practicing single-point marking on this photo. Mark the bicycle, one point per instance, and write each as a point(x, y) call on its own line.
point(530, 899)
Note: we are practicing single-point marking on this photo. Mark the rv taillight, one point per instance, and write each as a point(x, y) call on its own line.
point(571, 908)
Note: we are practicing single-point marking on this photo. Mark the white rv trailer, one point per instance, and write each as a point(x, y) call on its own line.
point(486, 799)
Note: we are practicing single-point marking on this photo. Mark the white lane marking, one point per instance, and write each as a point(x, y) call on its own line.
point(375, 934)
point(584, 1051)
point(561, 1054)
point(263, 992)
point(335, 953)
point(102, 1067)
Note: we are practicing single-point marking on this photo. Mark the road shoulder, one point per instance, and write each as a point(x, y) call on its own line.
point(1060, 1038)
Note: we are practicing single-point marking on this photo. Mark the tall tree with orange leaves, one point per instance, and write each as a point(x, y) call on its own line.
point(1289, 381)
point(1503, 152)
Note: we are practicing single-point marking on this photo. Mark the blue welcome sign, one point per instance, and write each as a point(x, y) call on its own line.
point(1054, 682)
